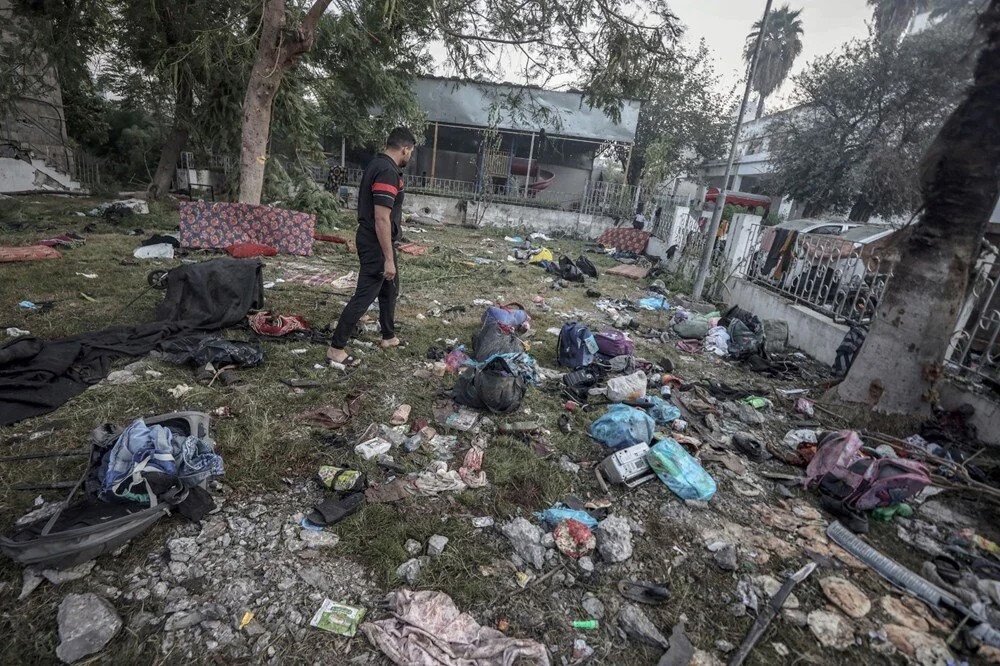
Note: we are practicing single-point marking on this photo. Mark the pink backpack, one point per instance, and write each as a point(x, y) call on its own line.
point(863, 483)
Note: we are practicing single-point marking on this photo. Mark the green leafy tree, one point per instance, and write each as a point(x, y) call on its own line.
point(604, 44)
point(865, 115)
point(683, 121)
point(899, 368)
point(892, 17)
point(782, 44)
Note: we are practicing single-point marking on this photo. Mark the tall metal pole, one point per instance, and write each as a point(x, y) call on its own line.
point(343, 152)
point(527, 172)
point(713, 228)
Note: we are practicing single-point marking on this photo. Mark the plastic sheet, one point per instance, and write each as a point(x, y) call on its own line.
point(623, 426)
point(680, 472)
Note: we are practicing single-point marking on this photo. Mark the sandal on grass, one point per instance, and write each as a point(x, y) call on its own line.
point(643, 593)
point(334, 510)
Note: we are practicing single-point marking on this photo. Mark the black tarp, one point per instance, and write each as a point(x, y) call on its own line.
point(38, 376)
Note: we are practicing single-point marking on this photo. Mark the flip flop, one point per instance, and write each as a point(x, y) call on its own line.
point(643, 593)
point(349, 362)
point(336, 509)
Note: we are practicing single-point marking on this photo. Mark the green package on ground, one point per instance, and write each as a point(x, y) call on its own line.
point(340, 479)
point(756, 401)
point(338, 618)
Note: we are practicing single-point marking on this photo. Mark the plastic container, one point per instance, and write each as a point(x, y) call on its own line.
point(680, 472)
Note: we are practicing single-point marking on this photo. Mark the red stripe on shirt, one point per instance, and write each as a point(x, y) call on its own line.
point(384, 187)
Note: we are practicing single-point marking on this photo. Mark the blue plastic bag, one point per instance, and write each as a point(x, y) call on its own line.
point(680, 472)
point(560, 512)
point(662, 411)
point(654, 303)
point(623, 426)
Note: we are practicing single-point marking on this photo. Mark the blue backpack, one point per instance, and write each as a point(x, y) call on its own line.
point(577, 346)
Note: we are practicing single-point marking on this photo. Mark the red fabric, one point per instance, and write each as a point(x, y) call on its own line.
point(385, 187)
point(629, 240)
point(29, 253)
point(220, 224)
point(265, 323)
point(329, 238)
point(629, 271)
point(247, 250)
point(414, 249)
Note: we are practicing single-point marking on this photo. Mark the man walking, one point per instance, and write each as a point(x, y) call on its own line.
point(380, 209)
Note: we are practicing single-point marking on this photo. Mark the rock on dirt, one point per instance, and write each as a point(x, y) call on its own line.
point(413, 547)
point(86, 623)
point(436, 544)
point(614, 539)
point(409, 571)
point(526, 540)
point(831, 629)
point(593, 606)
point(900, 614)
point(726, 558)
point(635, 623)
point(846, 596)
point(918, 645)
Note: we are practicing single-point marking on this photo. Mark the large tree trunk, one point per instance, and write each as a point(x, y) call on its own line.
point(898, 367)
point(760, 108)
point(861, 211)
point(277, 50)
point(175, 142)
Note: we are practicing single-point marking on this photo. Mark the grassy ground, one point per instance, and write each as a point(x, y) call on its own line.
point(264, 444)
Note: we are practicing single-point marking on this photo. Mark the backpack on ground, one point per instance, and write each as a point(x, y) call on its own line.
point(89, 527)
point(586, 266)
point(494, 338)
point(614, 343)
point(492, 386)
point(861, 483)
point(577, 346)
point(743, 340)
point(569, 270)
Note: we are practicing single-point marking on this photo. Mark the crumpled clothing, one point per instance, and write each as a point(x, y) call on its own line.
point(717, 341)
point(471, 470)
point(437, 478)
point(276, 325)
point(427, 629)
point(142, 449)
point(519, 364)
point(332, 416)
point(690, 346)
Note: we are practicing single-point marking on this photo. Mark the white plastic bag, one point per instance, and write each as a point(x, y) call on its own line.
point(158, 251)
point(629, 387)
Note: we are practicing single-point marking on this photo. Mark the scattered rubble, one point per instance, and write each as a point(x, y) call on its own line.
point(86, 623)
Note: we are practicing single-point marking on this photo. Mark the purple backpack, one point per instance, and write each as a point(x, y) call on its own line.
point(863, 483)
point(613, 343)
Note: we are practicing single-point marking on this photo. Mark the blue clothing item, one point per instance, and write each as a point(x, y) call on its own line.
point(559, 512)
point(519, 364)
point(141, 449)
point(623, 426)
point(654, 303)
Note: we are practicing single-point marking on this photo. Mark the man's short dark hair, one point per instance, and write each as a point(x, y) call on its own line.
point(401, 137)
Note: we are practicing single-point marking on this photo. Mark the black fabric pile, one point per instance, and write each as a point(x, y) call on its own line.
point(38, 376)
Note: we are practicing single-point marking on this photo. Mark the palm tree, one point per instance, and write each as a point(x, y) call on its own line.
point(782, 45)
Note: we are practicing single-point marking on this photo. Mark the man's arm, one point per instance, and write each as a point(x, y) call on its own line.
point(383, 230)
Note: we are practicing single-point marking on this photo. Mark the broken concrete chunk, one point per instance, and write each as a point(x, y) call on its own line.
point(726, 558)
point(409, 571)
point(635, 623)
point(86, 623)
point(918, 645)
point(831, 629)
point(182, 549)
point(902, 615)
point(413, 547)
point(846, 596)
point(614, 539)
point(593, 606)
point(436, 544)
point(526, 540)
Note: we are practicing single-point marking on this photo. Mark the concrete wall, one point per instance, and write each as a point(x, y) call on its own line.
point(21, 176)
point(453, 211)
point(987, 417)
point(808, 330)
